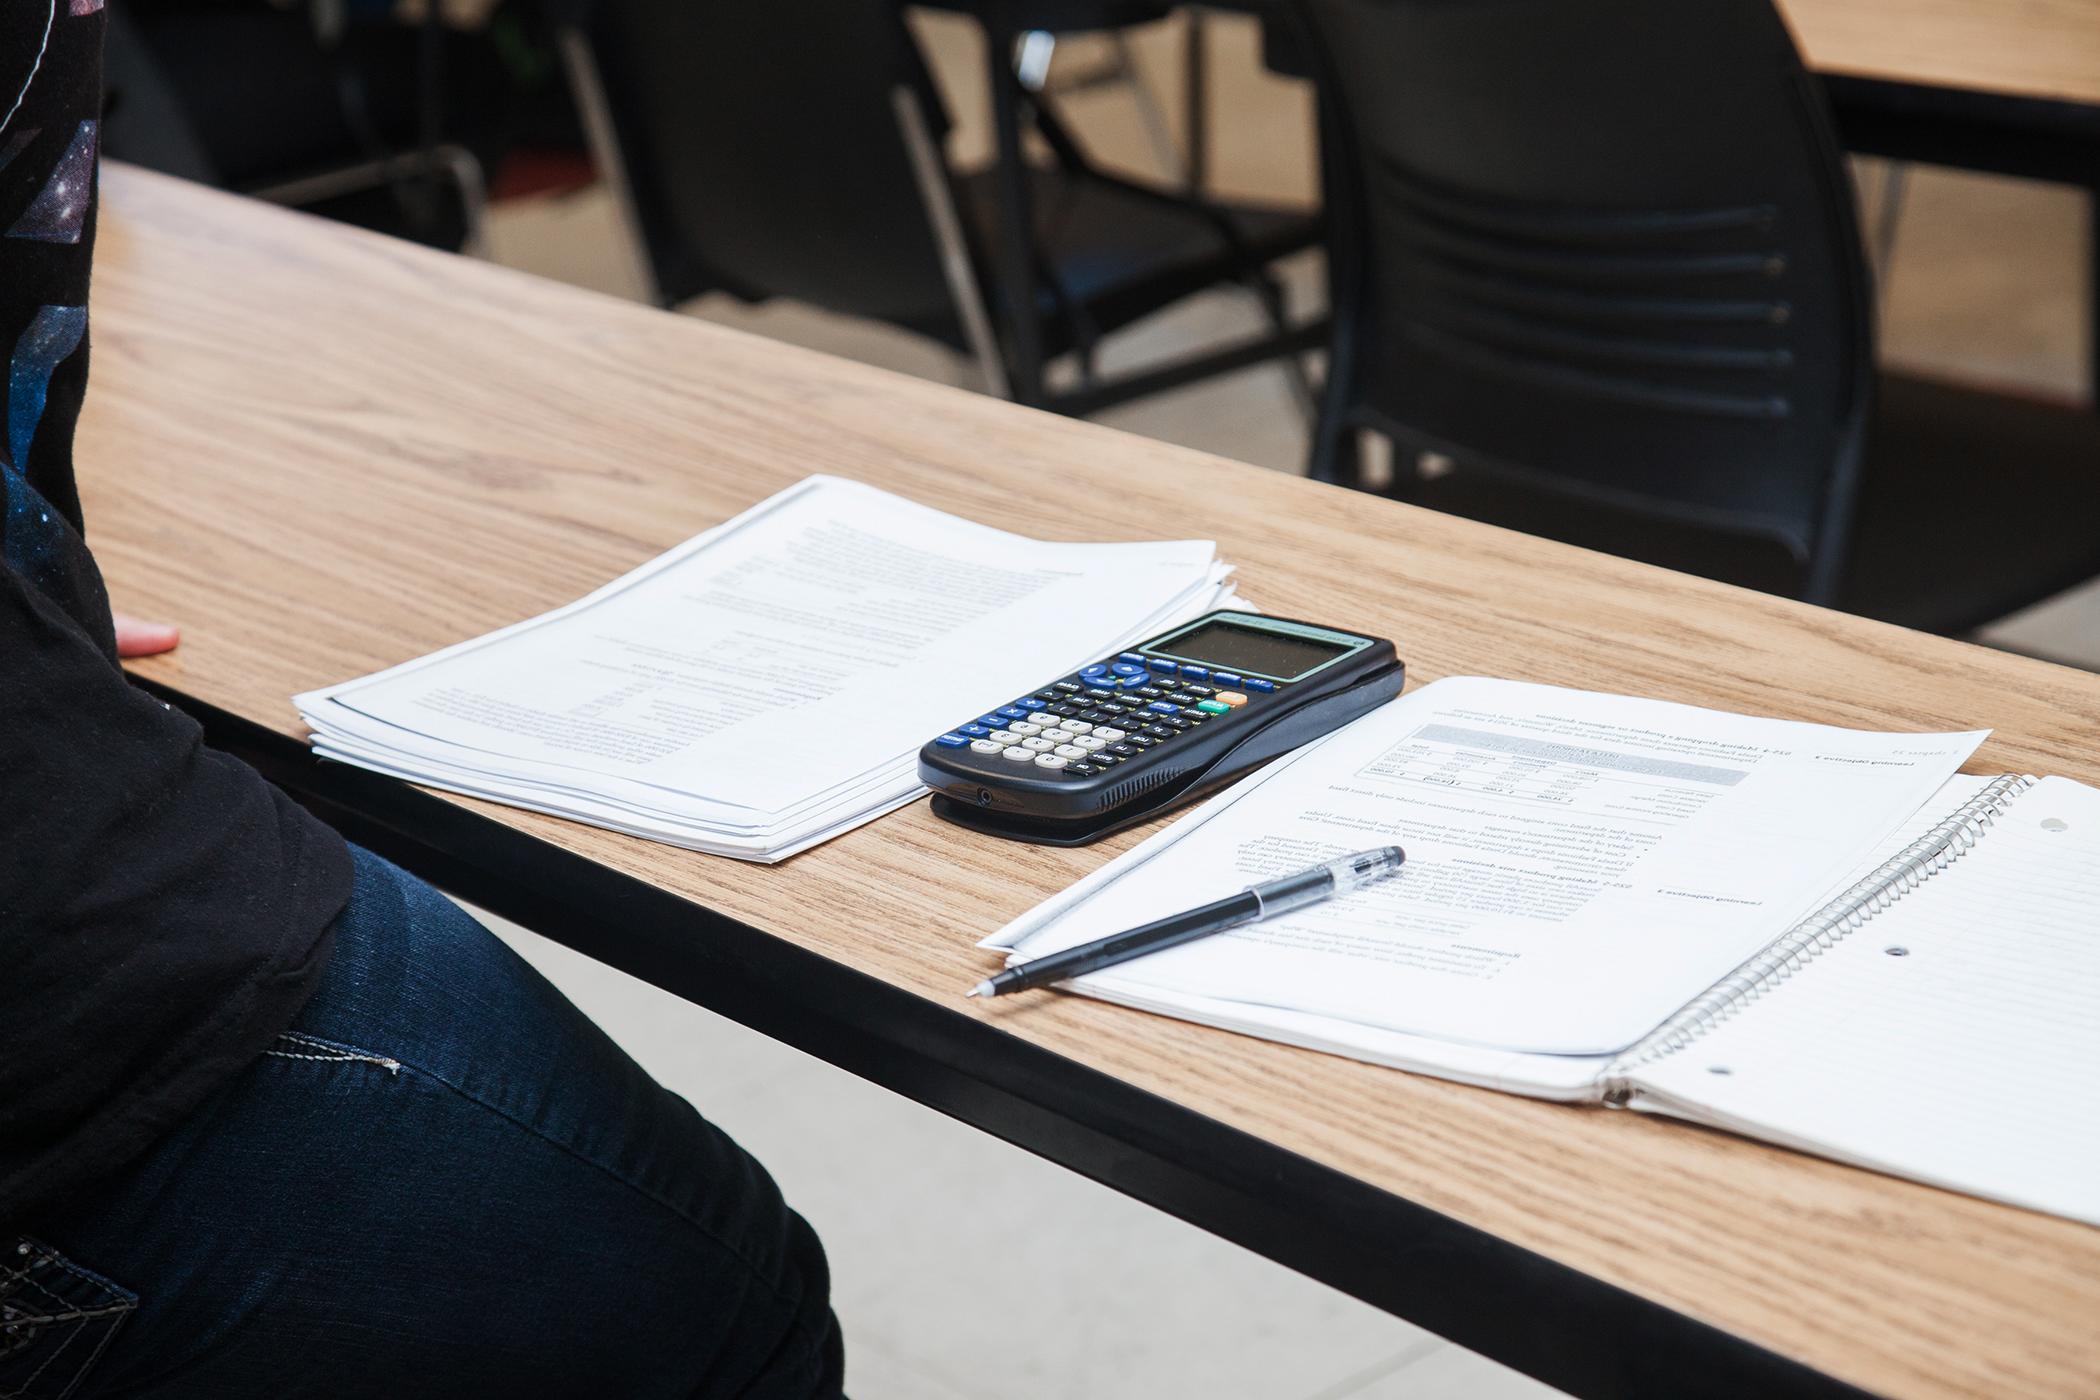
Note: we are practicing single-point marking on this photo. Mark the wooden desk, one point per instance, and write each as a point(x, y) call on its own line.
point(325, 453)
point(2043, 49)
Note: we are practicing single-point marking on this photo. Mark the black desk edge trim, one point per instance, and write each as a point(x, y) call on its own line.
point(1521, 1309)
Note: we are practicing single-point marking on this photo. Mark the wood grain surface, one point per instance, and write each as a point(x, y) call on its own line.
point(324, 453)
point(2021, 48)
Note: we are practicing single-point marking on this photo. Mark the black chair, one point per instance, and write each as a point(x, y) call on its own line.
point(794, 150)
point(1597, 277)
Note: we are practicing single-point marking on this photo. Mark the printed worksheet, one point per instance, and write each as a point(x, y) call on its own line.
point(1578, 865)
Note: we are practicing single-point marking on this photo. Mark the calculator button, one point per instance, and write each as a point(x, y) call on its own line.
point(1076, 726)
point(1024, 728)
point(1087, 743)
point(951, 741)
point(1182, 697)
point(1134, 658)
point(1099, 694)
point(1099, 668)
point(1063, 711)
point(1152, 692)
point(1160, 731)
point(1017, 754)
point(1165, 668)
point(1069, 751)
point(1231, 697)
point(1140, 684)
point(1255, 683)
point(1193, 716)
point(1103, 759)
point(1003, 737)
point(1196, 673)
point(1213, 707)
point(1126, 749)
point(1107, 733)
point(1175, 722)
point(1031, 703)
point(1083, 770)
point(986, 746)
point(1050, 760)
point(1067, 688)
point(975, 731)
point(992, 721)
point(1224, 678)
point(1201, 692)
point(1142, 741)
point(1125, 668)
point(1037, 744)
point(1092, 716)
point(1058, 736)
point(1013, 712)
point(1164, 707)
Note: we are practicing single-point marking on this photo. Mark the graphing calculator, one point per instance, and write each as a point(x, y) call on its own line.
point(1171, 719)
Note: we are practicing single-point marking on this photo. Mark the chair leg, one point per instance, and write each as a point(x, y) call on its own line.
point(930, 173)
point(1269, 293)
point(1016, 260)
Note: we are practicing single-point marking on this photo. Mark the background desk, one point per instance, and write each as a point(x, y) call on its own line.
point(325, 453)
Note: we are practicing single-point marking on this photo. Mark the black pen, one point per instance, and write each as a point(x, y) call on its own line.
point(1249, 905)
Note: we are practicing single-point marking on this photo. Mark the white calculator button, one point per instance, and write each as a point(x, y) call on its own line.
point(1050, 760)
point(1069, 751)
point(985, 746)
point(1105, 734)
point(1003, 737)
point(1059, 735)
point(1017, 754)
point(1037, 745)
point(1076, 726)
point(1087, 743)
point(1023, 728)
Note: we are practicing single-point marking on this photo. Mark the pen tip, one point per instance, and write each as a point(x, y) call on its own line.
point(982, 989)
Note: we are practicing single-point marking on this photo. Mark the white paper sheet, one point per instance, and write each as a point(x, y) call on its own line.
point(1579, 865)
point(768, 683)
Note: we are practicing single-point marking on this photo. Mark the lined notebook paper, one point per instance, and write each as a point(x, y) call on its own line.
point(1954, 1037)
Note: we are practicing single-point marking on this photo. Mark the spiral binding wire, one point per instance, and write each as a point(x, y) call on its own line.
point(1884, 885)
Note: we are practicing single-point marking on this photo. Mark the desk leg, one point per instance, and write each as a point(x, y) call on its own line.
point(1016, 241)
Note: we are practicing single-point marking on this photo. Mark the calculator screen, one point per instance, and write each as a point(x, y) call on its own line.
point(1231, 647)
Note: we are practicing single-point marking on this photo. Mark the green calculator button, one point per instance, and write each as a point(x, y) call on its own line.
point(1212, 707)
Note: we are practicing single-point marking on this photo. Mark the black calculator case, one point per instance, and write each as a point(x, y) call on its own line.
point(984, 794)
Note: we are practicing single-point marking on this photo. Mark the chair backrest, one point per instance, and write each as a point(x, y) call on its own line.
point(1600, 246)
point(762, 153)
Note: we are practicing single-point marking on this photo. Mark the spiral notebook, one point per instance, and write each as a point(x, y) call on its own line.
point(1928, 1011)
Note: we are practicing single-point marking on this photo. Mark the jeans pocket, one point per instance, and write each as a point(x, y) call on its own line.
point(55, 1320)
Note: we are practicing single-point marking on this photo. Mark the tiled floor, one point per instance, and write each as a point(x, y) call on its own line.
point(953, 1250)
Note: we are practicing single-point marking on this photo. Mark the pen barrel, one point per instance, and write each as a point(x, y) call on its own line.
point(1293, 891)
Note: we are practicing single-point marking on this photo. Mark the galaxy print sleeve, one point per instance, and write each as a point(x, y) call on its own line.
point(50, 97)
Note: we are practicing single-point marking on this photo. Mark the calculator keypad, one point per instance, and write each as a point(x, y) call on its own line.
point(1106, 714)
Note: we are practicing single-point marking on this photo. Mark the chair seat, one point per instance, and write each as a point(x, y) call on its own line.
point(1122, 251)
point(1973, 505)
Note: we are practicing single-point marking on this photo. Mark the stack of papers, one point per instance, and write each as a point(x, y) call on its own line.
point(766, 685)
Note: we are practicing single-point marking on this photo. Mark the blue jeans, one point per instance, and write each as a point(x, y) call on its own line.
point(443, 1181)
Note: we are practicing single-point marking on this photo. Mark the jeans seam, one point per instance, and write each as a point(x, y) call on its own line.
point(335, 1054)
point(79, 1318)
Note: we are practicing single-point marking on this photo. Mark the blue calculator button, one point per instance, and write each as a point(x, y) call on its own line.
point(1162, 707)
point(1099, 668)
point(1252, 684)
point(1224, 678)
point(1031, 703)
point(1134, 658)
point(1196, 673)
point(1013, 712)
point(951, 741)
point(1165, 668)
point(993, 721)
point(1126, 668)
point(975, 731)
point(1133, 682)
